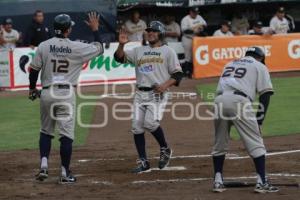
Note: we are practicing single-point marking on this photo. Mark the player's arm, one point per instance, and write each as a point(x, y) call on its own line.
point(34, 70)
point(119, 54)
point(265, 91)
point(175, 72)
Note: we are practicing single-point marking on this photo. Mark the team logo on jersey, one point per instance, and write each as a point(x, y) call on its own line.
point(61, 49)
point(294, 49)
point(146, 69)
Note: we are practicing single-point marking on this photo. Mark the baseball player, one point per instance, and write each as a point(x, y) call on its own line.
point(240, 81)
point(157, 69)
point(279, 24)
point(191, 25)
point(135, 27)
point(60, 61)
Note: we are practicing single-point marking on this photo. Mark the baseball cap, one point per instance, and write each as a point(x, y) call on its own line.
point(7, 21)
point(281, 10)
point(194, 9)
point(258, 24)
point(226, 22)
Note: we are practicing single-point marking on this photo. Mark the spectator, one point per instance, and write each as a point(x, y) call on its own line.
point(37, 31)
point(240, 24)
point(257, 29)
point(9, 36)
point(279, 24)
point(191, 25)
point(135, 27)
point(172, 29)
point(224, 30)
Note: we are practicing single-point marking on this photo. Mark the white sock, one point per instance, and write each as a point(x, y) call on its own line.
point(218, 177)
point(44, 163)
point(258, 179)
point(63, 171)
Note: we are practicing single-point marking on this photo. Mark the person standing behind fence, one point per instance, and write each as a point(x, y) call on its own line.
point(8, 35)
point(135, 27)
point(224, 30)
point(37, 31)
point(279, 24)
point(191, 25)
point(172, 29)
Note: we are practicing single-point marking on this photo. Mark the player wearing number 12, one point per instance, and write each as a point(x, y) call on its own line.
point(60, 61)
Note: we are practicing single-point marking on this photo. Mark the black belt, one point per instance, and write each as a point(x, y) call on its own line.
point(238, 93)
point(59, 86)
point(145, 89)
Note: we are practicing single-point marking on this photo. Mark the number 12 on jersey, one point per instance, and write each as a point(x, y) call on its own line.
point(60, 66)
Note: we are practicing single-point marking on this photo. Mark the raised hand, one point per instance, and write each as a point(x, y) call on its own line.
point(93, 21)
point(123, 37)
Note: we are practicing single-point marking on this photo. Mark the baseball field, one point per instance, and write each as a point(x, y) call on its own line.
point(104, 156)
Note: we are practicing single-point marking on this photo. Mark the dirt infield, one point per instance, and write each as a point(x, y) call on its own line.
point(103, 165)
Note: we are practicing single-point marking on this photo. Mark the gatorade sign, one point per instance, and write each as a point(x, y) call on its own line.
point(210, 54)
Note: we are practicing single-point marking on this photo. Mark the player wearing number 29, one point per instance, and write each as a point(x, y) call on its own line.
point(237, 88)
point(60, 61)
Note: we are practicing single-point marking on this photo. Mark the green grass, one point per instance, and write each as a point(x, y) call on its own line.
point(284, 110)
point(20, 124)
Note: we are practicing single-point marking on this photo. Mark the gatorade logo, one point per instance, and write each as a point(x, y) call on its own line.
point(201, 55)
point(294, 49)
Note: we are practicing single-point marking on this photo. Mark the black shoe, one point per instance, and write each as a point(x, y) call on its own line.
point(164, 158)
point(70, 179)
point(42, 175)
point(143, 166)
point(265, 188)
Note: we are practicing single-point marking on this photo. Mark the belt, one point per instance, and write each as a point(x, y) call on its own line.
point(145, 89)
point(59, 86)
point(240, 93)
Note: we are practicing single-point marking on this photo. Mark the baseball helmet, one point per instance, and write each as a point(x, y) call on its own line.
point(62, 23)
point(157, 26)
point(256, 52)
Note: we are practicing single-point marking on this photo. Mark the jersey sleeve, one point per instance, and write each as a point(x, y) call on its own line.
point(173, 62)
point(37, 61)
point(263, 83)
point(273, 24)
point(89, 51)
point(130, 56)
point(203, 21)
point(184, 24)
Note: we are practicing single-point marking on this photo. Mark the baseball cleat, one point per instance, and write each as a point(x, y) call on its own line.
point(70, 179)
point(42, 175)
point(143, 166)
point(164, 158)
point(218, 187)
point(265, 188)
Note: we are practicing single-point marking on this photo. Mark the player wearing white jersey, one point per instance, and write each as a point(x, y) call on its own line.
point(224, 30)
point(240, 81)
point(191, 25)
point(279, 24)
point(60, 61)
point(157, 69)
point(135, 27)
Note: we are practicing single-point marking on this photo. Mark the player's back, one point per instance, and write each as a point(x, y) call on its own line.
point(62, 59)
point(241, 75)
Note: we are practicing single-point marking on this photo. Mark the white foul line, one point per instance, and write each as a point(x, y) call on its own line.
point(229, 156)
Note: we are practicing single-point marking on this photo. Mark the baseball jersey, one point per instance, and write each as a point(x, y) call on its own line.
point(172, 27)
point(246, 75)
point(279, 26)
point(220, 33)
point(61, 59)
point(10, 38)
point(153, 65)
point(136, 30)
point(189, 23)
point(240, 25)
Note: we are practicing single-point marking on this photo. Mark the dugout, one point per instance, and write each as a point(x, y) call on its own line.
point(213, 11)
point(21, 12)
